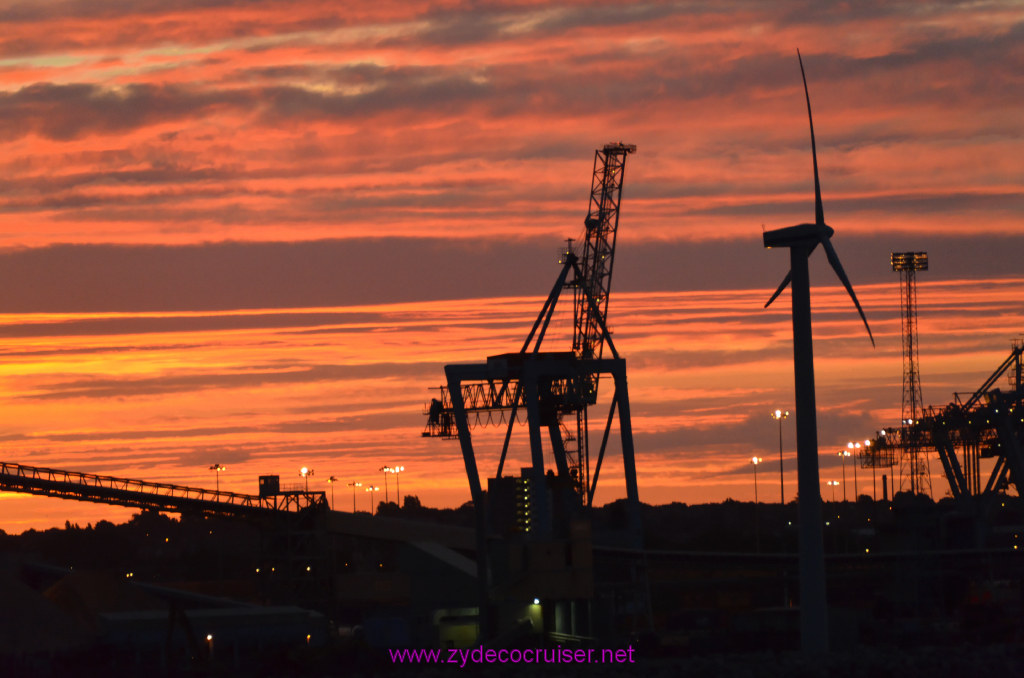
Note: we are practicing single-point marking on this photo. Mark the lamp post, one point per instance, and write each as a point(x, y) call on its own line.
point(855, 450)
point(371, 489)
point(385, 470)
point(354, 485)
point(755, 461)
point(306, 472)
point(843, 454)
point(398, 487)
point(218, 468)
point(869, 455)
point(832, 484)
point(331, 481)
point(779, 415)
point(885, 442)
point(757, 528)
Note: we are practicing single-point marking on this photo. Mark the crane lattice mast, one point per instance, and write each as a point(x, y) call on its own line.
point(596, 261)
point(598, 254)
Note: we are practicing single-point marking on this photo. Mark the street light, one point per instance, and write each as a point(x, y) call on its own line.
point(306, 473)
point(856, 453)
point(757, 531)
point(755, 461)
point(779, 415)
point(218, 468)
point(398, 487)
point(354, 485)
point(385, 470)
point(892, 461)
point(874, 461)
point(843, 454)
point(331, 481)
point(832, 484)
point(371, 489)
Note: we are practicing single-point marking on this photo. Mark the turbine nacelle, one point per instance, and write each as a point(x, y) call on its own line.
point(801, 234)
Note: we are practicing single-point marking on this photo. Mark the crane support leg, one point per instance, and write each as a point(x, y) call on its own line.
point(997, 476)
point(455, 375)
point(540, 498)
point(1011, 447)
point(558, 448)
point(950, 464)
point(511, 424)
point(628, 457)
point(604, 445)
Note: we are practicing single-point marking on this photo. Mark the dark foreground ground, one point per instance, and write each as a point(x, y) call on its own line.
point(922, 662)
point(916, 588)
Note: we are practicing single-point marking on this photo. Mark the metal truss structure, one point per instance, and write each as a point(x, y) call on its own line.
point(592, 287)
point(157, 496)
point(549, 386)
point(914, 473)
point(989, 424)
point(489, 399)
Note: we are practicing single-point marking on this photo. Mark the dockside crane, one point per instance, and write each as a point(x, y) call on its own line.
point(491, 400)
point(533, 541)
point(985, 424)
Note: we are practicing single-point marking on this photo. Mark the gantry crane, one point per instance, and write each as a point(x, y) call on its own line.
point(567, 382)
point(988, 424)
point(542, 510)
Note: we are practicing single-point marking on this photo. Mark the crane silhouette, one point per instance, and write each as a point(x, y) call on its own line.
point(801, 240)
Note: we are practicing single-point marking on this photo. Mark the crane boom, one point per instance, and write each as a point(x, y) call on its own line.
point(598, 254)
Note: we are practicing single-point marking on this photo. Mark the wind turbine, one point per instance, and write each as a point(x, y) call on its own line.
point(801, 241)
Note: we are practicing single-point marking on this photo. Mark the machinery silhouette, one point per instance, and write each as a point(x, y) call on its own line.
point(533, 536)
point(551, 386)
point(801, 241)
point(985, 424)
point(914, 471)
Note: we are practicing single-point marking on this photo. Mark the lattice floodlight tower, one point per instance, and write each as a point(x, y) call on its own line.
point(549, 386)
point(914, 473)
point(801, 241)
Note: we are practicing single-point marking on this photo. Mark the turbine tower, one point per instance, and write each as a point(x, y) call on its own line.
point(801, 241)
point(914, 475)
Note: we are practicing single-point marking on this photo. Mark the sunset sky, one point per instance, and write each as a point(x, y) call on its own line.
point(253, 233)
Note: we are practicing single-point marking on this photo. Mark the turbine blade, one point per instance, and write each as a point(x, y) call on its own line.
point(838, 268)
point(819, 211)
point(785, 282)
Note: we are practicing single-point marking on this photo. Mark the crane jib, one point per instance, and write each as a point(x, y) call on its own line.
point(598, 249)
